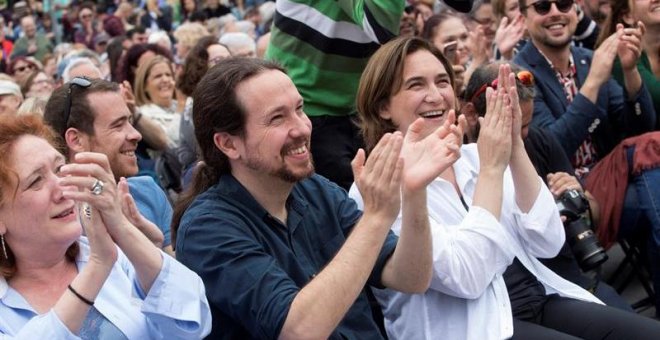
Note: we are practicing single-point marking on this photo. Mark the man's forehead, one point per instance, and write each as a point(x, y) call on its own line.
point(267, 91)
point(107, 106)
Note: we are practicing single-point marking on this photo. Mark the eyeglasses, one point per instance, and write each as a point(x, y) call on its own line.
point(543, 7)
point(86, 16)
point(77, 81)
point(525, 77)
point(215, 61)
point(23, 68)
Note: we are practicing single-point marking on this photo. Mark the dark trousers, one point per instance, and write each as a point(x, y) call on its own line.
point(335, 141)
point(564, 318)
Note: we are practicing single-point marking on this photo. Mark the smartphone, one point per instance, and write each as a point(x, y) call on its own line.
point(450, 50)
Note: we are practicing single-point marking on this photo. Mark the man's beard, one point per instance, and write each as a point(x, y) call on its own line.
point(282, 172)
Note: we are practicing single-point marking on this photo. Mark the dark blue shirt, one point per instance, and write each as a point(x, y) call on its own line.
point(253, 266)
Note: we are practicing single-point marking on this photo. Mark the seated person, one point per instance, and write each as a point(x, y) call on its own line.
point(283, 252)
point(592, 117)
point(632, 14)
point(490, 214)
point(551, 165)
point(90, 115)
point(112, 283)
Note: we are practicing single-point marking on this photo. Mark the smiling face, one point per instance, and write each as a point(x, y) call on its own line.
point(646, 11)
point(553, 30)
point(160, 84)
point(114, 135)
point(451, 30)
point(511, 9)
point(426, 91)
point(42, 86)
point(37, 217)
point(277, 131)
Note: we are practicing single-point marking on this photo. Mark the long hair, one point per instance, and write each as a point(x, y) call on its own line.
point(619, 9)
point(141, 79)
point(382, 78)
point(196, 65)
point(217, 109)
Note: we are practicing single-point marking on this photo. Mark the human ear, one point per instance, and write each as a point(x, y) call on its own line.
point(228, 144)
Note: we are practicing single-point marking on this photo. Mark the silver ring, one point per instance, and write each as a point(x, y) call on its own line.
point(97, 187)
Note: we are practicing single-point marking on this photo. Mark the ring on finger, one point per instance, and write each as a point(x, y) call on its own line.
point(97, 187)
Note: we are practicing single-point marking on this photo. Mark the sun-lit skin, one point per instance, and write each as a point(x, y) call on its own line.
point(553, 30)
point(216, 53)
point(55, 225)
point(485, 18)
point(426, 91)
point(451, 30)
point(276, 143)
point(512, 9)
point(42, 86)
point(160, 85)
point(114, 135)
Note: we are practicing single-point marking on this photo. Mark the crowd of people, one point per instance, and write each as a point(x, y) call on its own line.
point(403, 169)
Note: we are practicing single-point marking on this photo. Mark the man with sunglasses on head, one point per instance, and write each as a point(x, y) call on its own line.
point(90, 115)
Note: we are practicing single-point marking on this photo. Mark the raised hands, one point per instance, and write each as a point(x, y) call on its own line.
point(88, 171)
point(93, 207)
point(495, 135)
point(379, 178)
point(630, 46)
point(508, 34)
point(130, 210)
point(427, 154)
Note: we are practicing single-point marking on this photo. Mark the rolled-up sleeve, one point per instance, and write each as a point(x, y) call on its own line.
point(540, 230)
point(176, 305)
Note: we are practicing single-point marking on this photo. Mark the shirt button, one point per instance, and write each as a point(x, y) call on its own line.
point(638, 109)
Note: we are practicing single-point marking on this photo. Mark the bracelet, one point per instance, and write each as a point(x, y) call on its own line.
point(82, 298)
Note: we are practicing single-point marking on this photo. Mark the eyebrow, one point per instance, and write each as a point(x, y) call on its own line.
point(417, 78)
point(58, 157)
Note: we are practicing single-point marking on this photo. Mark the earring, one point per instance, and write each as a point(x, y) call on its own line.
point(4, 247)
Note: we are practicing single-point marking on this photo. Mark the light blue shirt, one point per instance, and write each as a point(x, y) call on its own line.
point(175, 307)
point(152, 203)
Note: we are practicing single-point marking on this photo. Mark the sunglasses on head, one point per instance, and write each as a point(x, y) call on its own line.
point(79, 82)
point(525, 77)
point(543, 7)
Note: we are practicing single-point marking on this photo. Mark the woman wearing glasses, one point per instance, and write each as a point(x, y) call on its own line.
point(21, 67)
point(491, 217)
point(112, 283)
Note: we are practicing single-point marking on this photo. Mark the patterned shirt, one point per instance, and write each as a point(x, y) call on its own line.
point(585, 156)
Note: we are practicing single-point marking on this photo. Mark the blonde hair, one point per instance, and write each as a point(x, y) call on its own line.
point(188, 34)
point(141, 95)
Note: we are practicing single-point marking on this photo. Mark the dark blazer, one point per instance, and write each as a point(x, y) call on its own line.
point(612, 118)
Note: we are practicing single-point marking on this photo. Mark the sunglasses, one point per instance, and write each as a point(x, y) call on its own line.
point(543, 7)
point(79, 82)
point(525, 77)
point(23, 68)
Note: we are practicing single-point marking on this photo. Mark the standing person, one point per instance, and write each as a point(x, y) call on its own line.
point(491, 217)
point(326, 65)
point(111, 283)
point(91, 116)
point(285, 253)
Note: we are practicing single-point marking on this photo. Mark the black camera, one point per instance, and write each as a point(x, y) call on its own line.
point(580, 236)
